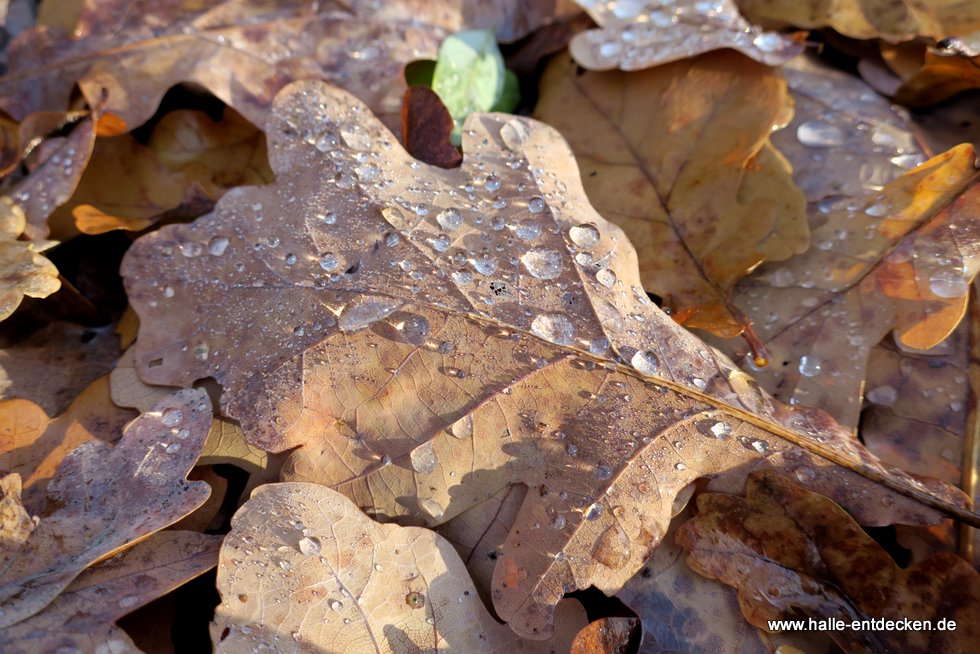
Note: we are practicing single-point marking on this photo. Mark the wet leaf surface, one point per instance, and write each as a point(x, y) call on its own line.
point(23, 271)
point(638, 35)
point(82, 618)
point(793, 554)
point(103, 498)
point(363, 586)
point(424, 358)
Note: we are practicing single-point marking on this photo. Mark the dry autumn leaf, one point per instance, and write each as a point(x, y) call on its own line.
point(694, 182)
point(892, 20)
point(638, 35)
point(33, 445)
point(900, 261)
point(82, 618)
point(103, 498)
point(362, 586)
point(23, 271)
point(429, 337)
point(793, 554)
point(55, 363)
point(243, 51)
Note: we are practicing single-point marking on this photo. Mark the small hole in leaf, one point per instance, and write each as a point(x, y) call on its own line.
point(155, 363)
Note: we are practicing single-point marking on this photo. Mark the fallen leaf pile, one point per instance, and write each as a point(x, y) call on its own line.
point(300, 291)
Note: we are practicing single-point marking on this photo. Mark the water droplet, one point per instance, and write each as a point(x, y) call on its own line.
point(191, 249)
point(309, 545)
point(492, 183)
point(805, 474)
point(571, 449)
point(609, 49)
point(336, 605)
point(413, 328)
point(948, 284)
point(424, 458)
point(541, 263)
point(463, 428)
point(445, 347)
point(606, 277)
point(883, 395)
point(326, 143)
point(720, 430)
point(680, 466)
point(810, 365)
point(328, 218)
point(559, 522)
point(613, 548)
point(594, 511)
point(218, 245)
point(603, 472)
point(356, 139)
point(366, 310)
point(449, 219)
point(820, 134)
point(171, 417)
point(170, 448)
point(768, 42)
point(646, 361)
point(585, 236)
point(514, 133)
point(536, 205)
point(554, 327)
point(290, 259)
point(128, 601)
point(485, 264)
point(329, 261)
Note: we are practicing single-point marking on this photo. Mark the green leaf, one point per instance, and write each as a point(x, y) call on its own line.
point(510, 97)
point(419, 73)
point(469, 75)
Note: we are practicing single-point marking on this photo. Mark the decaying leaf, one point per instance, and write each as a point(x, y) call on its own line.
point(243, 51)
point(426, 128)
point(33, 445)
point(430, 336)
point(189, 161)
point(103, 498)
point(16, 522)
point(896, 261)
point(795, 554)
point(639, 35)
point(679, 157)
point(53, 365)
point(892, 20)
point(606, 636)
point(361, 586)
point(82, 618)
point(844, 140)
point(23, 271)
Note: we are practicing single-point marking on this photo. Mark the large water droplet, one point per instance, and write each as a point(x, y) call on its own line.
point(606, 277)
point(309, 545)
point(366, 310)
point(613, 548)
point(449, 219)
point(585, 236)
point(514, 133)
point(329, 261)
point(948, 284)
point(810, 365)
point(424, 458)
point(541, 263)
point(463, 428)
point(820, 134)
point(412, 327)
point(554, 327)
point(646, 362)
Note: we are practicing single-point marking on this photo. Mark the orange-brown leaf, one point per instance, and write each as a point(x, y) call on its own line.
point(679, 157)
point(426, 128)
point(791, 553)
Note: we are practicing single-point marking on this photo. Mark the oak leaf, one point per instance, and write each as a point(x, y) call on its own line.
point(81, 619)
point(362, 586)
point(23, 271)
point(899, 261)
point(243, 51)
point(791, 554)
point(33, 445)
point(55, 363)
point(641, 34)
point(679, 157)
point(430, 336)
point(103, 498)
point(868, 19)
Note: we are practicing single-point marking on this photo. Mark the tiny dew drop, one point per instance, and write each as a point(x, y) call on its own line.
point(309, 545)
point(336, 605)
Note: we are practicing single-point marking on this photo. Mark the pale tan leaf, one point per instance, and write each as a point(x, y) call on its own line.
point(350, 584)
point(104, 498)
